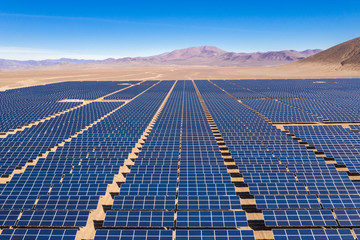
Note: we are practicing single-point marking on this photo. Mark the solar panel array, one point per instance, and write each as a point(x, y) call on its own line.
point(293, 186)
point(218, 154)
point(180, 170)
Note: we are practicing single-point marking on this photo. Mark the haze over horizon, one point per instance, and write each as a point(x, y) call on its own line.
point(90, 30)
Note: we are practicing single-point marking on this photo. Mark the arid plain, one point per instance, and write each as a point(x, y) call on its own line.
point(16, 79)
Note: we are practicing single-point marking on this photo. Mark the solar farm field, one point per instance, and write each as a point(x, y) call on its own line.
point(219, 159)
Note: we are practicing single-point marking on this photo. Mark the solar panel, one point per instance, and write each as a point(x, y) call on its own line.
point(324, 177)
point(287, 202)
point(277, 189)
point(208, 202)
point(79, 189)
point(207, 189)
point(53, 219)
point(148, 189)
point(67, 202)
point(28, 189)
point(215, 234)
point(17, 202)
point(309, 234)
point(144, 202)
point(268, 177)
point(211, 219)
point(33, 233)
point(139, 219)
point(299, 218)
point(340, 201)
point(332, 188)
point(75, 178)
point(133, 234)
point(348, 217)
point(8, 218)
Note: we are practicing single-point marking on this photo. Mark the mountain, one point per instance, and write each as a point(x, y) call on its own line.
point(200, 52)
point(213, 56)
point(205, 55)
point(13, 64)
point(346, 54)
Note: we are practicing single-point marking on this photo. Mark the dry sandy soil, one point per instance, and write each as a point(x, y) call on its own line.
point(16, 79)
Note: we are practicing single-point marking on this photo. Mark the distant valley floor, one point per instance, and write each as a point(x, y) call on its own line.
point(16, 79)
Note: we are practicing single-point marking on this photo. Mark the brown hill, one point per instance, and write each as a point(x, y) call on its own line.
point(347, 53)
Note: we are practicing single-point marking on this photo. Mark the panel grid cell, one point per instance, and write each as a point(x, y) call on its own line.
point(43, 234)
point(208, 202)
point(133, 234)
point(144, 202)
point(348, 217)
point(53, 219)
point(67, 202)
point(215, 234)
point(299, 218)
point(313, 234)
point(8, 218)
point(139, 219)
point(287, 202)
point(211, 219)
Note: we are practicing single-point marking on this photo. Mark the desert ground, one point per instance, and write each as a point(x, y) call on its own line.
point(17, 79)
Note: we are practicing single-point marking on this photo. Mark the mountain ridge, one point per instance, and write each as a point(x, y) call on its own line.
point(203, 55)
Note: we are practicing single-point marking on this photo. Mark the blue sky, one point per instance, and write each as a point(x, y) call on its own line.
point(39, 29)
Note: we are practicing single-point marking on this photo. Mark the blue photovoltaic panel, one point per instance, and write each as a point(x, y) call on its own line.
point(8, 218)
point(139, 219)
point(79, 189)
point(88, 178)
point(277, 188)
point(264, 168)
point(133, 234)
point(28, 189)
point(332, 188)
point(211, 219)
point(215, 234)
point(207, 189)
point(324, 177)
point(340, 201)
point(208, 202)
point(313, 234)
point(287, 202)
point(150, 178)
point(43, 234)
point(148, 189)
point(268, 177)
point(67, 202)
point(17, 202)
point(53, 219)
point(298, 218)
point(144, 202)
point(348, 217)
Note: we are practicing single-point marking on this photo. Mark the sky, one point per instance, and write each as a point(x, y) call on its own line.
point(48, 29)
